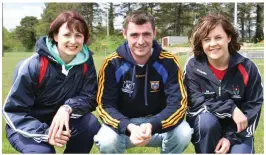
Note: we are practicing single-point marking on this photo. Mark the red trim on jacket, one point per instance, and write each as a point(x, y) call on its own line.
point(244, 73)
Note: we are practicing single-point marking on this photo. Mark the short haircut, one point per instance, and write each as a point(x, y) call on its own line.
point(74, 22)
point(139, 17)
point(203, 28)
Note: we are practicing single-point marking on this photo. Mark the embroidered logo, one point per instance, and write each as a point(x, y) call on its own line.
point(200, 71)
point(209, 94)
point(236, 90)
point(155, 86)
point(128, 87)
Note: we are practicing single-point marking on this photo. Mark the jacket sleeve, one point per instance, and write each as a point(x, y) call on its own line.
point(251, 106)
point(221, 106)
point(85, 101)
point(176, 99)
point(107, 99)
point(20, 100)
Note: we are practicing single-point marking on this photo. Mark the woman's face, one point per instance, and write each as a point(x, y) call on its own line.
point(69, 44)
point(215, 45)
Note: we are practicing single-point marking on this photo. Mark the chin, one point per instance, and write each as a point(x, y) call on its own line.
point(72, 53)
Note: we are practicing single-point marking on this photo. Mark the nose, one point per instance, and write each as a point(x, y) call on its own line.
point(140, 40)
point(72, 39)
point(213, 42)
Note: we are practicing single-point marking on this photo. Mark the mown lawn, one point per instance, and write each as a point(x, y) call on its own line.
point(10, 60)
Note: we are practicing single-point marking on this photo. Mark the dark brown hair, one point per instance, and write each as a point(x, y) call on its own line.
point(139, 17)
point(74, 22)
point(203, 28)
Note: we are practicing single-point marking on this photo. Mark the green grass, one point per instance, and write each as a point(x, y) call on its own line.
point(10, 60)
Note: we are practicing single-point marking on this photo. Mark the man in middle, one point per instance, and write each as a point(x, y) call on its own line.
point(141, 96)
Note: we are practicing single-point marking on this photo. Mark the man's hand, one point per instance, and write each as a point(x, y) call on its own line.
point(139, 135)
point(240, 119)
point(223, 146)
point(146, 131)
point(56, 134)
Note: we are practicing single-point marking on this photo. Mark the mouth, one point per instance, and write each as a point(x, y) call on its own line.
point(141, 47)
point(72, 47)
point(214, 50)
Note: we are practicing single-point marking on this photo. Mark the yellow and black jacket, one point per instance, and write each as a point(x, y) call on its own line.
point(128, 90)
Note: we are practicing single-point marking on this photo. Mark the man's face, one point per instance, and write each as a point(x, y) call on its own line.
point(139, 39)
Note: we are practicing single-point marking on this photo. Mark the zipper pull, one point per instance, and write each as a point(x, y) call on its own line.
point(219, 90)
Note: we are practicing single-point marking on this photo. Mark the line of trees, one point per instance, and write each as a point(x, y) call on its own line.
point(172, 19)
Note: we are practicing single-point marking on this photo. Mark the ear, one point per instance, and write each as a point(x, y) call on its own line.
point(228, 39)
point(56, 37)
point(124, 33)
point(155, 32)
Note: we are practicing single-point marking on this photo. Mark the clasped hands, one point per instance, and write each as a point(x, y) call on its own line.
point(56, 136)
point(140, 135)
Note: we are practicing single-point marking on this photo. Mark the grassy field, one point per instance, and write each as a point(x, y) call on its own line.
point(10, 60)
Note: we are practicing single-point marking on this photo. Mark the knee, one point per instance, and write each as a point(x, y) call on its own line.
point(183, 132)
point(106, 140)
point(93, 124)
point(38, 149)
point(89, 123)
point(208, 123)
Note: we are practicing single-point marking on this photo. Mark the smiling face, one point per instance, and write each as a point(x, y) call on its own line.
point(215, 44)
point(139, 39)
point(69, 43)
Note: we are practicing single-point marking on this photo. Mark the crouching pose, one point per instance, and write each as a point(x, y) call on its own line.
point(224, 90)
point(54, 92)
point(141, 98)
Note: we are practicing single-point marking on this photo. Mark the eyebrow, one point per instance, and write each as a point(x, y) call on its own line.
point(144, 33)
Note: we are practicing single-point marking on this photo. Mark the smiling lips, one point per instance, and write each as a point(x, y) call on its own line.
point(141, 47)
point(72, 47)
point(214, 50)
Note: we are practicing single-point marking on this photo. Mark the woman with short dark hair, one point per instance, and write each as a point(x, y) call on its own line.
point(224, 90)
point(54, 92)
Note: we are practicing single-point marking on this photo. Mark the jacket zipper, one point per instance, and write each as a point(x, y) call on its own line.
point(219, 90)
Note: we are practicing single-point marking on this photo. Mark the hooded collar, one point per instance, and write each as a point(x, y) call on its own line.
point(125, 53)
point(44, 46)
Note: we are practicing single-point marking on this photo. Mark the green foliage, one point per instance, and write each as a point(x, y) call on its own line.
point(106, 44)
point(26, 37)
point(41, 29)
point(10, 42)
point(28, 21)
point(25, 32)
point(6, 42)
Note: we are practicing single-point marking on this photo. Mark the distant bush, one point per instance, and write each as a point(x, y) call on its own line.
point(261, 44)
point(108, 44)
point(182, 45)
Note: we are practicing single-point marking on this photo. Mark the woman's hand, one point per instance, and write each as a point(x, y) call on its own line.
point(223, 146)
point(57, 136)
point(240, 119)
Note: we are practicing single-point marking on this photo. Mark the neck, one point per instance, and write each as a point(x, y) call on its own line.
point(66, 58)
point(221, 63)
point(141, 60)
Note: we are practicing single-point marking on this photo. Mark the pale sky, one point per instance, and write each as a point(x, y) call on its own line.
point(14, 12)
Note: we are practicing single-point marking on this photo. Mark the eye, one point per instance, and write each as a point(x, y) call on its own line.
point(218, 37)
point(67, 34)
point(79, 35)
point(147, 34)
point(206, 39)
point(134, 35)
